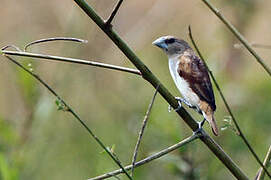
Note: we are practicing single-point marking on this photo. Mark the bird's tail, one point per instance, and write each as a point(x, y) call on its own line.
point(208, 114)
point(212, 122)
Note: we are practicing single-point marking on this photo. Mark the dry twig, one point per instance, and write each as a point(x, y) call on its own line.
point(148, 159)
point(55, 39)
point(144, 123)
point(71, 60)
point(114, 12)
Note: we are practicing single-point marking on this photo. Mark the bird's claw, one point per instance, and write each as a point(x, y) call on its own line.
point(188, 104)
point(169, 108)
point(179, 107)
point(199, 130)
point(180, 100)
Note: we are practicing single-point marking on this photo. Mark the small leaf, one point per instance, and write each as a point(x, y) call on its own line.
point(113, 148)
point(229, 125)
point(61, 106)
point(110, 149)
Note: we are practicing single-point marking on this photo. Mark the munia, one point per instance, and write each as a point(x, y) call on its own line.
point(191, 77)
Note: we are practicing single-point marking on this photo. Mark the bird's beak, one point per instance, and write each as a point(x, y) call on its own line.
point(160, 42)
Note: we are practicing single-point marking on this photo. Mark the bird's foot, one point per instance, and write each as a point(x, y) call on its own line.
point(182, 100)
point(196, 108)
point(199, 130)
point(177, 109)
point(185, 102)
point(169, 108)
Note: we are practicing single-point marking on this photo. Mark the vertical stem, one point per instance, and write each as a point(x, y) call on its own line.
point(144, 123)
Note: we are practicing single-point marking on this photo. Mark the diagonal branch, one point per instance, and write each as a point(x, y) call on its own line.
point(69, 109)
point(148, 159)
point(71, 60)
point(238, 35)
point(240, 133)
point(261, 173)
point(114, 12)
point(144, 123)
point(149, 76)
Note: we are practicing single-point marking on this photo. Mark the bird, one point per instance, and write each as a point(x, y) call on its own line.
point(191, 77)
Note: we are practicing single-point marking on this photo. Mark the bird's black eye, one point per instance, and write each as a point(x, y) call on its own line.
point(170, 40)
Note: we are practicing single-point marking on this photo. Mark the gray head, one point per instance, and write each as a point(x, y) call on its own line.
point(171, 45)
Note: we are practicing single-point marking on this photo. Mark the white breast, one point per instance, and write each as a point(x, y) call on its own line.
point(181, 83)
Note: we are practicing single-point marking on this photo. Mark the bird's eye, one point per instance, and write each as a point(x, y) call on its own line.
point(170, 40)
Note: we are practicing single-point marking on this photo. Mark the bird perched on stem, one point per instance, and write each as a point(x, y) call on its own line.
point(191, 78)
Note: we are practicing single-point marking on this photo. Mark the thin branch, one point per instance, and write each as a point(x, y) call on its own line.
point(69, 109)
point(144, 123)
point(238, 35)
point(256, 45)
point(71, 60)
point(263, 46)
point(152, 79)
point(261, 173)
point(240, 133)
point(114, 12)
point(148, 159)
point(10, 46)
point(55, 39)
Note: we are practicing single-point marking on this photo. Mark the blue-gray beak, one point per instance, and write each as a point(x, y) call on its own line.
point(160, 42)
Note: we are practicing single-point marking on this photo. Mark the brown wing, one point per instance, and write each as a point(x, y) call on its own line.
point(193, 70)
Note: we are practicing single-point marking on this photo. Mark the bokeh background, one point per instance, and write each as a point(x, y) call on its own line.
point(39, 142)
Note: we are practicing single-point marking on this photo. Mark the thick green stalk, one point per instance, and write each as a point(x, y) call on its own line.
point(149, 76)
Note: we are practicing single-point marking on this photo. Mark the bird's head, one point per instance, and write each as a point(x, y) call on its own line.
point(171, 45)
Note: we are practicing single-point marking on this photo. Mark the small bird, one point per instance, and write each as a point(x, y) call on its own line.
point(191, 78)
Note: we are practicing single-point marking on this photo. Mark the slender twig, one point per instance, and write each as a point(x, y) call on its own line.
point(71, 60)
point(240, 133)
point(261, 173)
point(152, 79)
point(114, 12)
point(10, 46)
point(256, 45)
point(55, 39)
point(238, 35)
point(263, 46)
point(69, 109)
point(144, 123)
point(148, 159)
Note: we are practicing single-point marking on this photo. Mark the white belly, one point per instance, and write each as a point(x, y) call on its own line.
point(182, 84)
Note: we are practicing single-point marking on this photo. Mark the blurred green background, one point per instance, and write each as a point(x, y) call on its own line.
point(39, 142)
